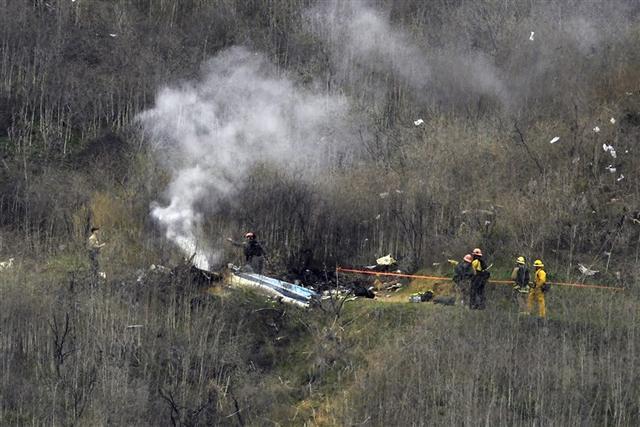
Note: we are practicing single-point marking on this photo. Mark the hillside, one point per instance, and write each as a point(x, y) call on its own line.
point(338, 133)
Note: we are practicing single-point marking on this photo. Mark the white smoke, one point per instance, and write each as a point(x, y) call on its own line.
point(210, 133)
point(363, 40)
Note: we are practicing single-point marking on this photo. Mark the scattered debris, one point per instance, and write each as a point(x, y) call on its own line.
point(596, 129)
point(159, 268)
point(554, 140)
point(418, 122)
point(386, 260)
point(532, 35)
point(612, 120)
point(399, 191)
point(384, 195)
point(134, 326)
point(637, 221)
point(102, 274)
point(378, 216)
point(610, 168)
point(283, 291)
point(113, 35)
point(586, 271)
point(5, 265)
point(628, 93)
point(575, 160)
point(421, 296)
point(609, 149)
point(620, 178)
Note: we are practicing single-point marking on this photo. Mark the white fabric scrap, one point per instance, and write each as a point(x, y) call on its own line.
point(620, 178)
point(596, 129)
point(612, 120)
point(386, 260)
point(532, 35)
point(610, 150)
point(418, 122)
point(554, 140)
point(610, 168)
point(383, 195)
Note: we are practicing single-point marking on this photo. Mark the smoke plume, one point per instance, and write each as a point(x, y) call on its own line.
point(210, 133)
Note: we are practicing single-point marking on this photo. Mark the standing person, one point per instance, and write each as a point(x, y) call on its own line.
point(520, 277)
point(94, 245)
point(481, 275)
point(253, 252)
point(462, 275)
point(540, 286)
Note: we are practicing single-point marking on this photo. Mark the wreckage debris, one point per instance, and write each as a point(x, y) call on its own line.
point(587, 271)
point(554, 140)
point(6, 265)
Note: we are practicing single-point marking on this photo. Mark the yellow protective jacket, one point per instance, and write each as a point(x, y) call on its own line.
point(540, 279)
point(477, 265)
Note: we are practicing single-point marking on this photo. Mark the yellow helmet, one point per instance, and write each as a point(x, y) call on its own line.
point(520, 260)
point(538, 263)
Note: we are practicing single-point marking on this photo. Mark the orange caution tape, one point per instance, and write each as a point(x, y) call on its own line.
point(496, 282)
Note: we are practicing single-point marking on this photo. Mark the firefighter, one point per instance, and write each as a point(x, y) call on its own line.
point(481, 275)
point(253, 252)
point(540, 286)
point(462, 275)
point(94, 245)
point(520, 277)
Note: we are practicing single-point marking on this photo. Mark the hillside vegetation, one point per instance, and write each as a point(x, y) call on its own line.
point(338, 132)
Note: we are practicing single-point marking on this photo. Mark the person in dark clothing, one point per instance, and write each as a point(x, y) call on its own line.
point(479, 281)
point(462, 275)
point(520, 277)
point(253, 252)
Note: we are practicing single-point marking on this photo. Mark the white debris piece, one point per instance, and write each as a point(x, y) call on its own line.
point(378, 216)
point(383, 195)
point(629, 93)
point(102, 274)
point(399, 191)
point(5, 265)
point(113, 35)
point(586, 271)
point(134, 326)
point(386, 260)
point(620, 178)
point(610, 150)
point(596, 129)
point(610, 168)
point(418, 122)
point(612, 121)
point(533, 33)
point(554, 140)
point(575, 160)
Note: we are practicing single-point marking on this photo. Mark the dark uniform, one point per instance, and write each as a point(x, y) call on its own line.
point(254, 255)
point(478, 283)
point(462, 275)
